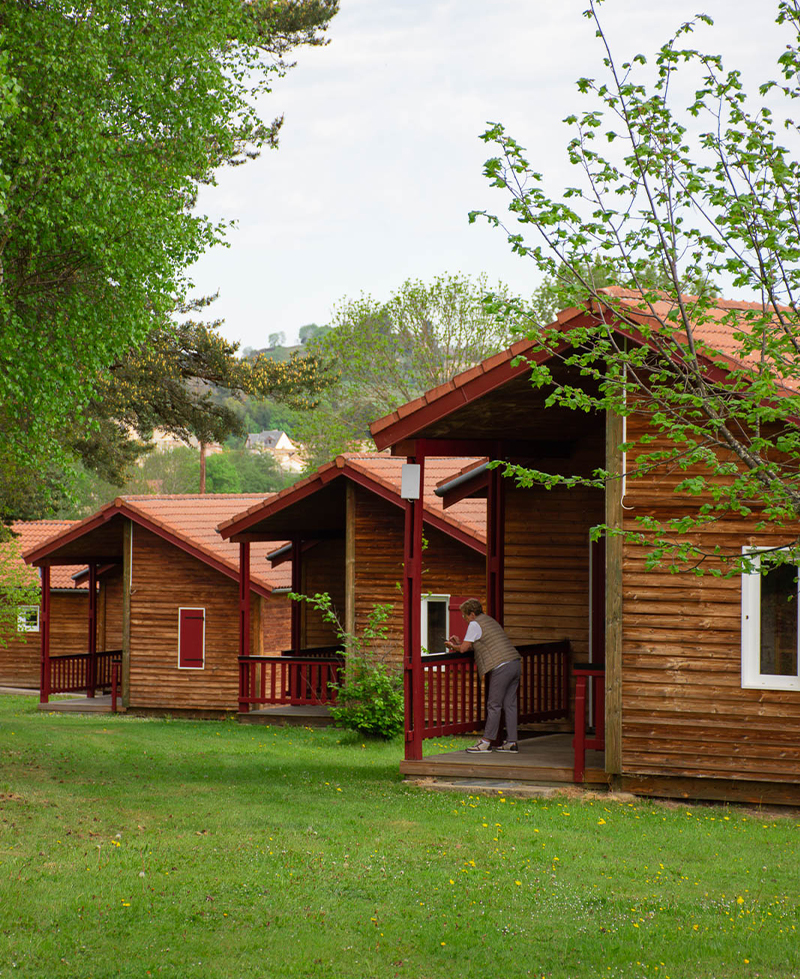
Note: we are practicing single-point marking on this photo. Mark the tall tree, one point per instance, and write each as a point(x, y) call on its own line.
point(388, 352)
point(120, 111)
point(169, 382)
point(704, 193)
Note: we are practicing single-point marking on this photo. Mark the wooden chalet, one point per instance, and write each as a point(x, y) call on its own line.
point(20, 656)
point(167, 611)
point(688, 699)
point(345, 525)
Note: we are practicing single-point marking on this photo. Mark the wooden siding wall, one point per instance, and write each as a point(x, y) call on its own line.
point(69, 633)
point(546, 588)
point(276, 624)
point(165, 579)
point(19, 660)
point(111, 627)
point(449, 568)
point(323, 571)
point(684, 712)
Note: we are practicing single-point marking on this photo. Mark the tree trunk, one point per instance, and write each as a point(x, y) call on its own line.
point(202, 467)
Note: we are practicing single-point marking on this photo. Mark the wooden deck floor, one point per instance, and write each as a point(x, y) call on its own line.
point(546, 760)
point(101, 704)
point(287, 715)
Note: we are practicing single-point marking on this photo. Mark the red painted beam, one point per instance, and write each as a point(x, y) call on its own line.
point(91, 666)
point(244, 615)
point(414, 680)
point(44, 631)
point(297, 587)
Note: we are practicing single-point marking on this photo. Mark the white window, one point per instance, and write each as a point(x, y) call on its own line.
point(770, 633)
point(435, 623)
point(27, 618)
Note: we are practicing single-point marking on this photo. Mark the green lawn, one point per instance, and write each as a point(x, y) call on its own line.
point(183, 849)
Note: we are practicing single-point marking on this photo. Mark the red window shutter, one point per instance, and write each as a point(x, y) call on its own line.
point(458, 625)
point(191, 639)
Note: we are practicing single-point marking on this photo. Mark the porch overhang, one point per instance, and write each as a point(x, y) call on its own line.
point(98, 540)
point(314, 510)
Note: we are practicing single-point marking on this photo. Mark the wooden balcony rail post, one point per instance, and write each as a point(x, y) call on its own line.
point(91, 666)
point(582, 673)
point(44, 631)
point(114, 683)
point(244, 624)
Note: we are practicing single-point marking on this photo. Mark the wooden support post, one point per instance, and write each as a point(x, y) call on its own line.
point(579, 741)
point(495, 544)
point(297, 588)
point(258, 624)
point(114, 684)
point(91, 665)
point(102, 604)
point(613, 602)
point(44, 632)
point(244, 615)
point(350, 560)
point(127, 589)
point(414, 682)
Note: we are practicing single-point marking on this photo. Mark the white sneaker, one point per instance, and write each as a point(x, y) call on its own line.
point(508, 746)
point(480, 746)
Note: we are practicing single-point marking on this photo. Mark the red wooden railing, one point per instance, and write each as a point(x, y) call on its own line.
point(583, 672)
point(70, 673)
point(298, 680)
point(455, 700)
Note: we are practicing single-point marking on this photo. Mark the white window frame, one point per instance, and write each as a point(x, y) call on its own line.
point(423, 624)
point(752, 677)
point(21, 609)
point(191, 608)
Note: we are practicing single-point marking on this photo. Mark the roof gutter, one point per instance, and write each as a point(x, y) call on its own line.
point(281, 551)
point(461, 479)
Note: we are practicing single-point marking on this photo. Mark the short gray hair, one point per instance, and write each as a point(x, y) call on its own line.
point(471, 607)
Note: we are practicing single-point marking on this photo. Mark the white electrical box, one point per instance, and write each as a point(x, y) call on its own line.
point(409, 485)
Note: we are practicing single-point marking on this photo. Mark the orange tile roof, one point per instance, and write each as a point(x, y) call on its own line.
point(467, 516)
point(711, 331)
point(190, 519)
point(32, 533)
point(714, 333)
point(194, 519)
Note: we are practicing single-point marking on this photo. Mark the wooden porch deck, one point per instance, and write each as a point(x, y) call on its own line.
point(545, 760)
point(287, 715)
point(100, 704)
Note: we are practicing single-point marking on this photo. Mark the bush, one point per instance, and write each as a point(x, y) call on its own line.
point(370, 700)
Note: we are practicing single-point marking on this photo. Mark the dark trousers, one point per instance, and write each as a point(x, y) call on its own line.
point(503, 687)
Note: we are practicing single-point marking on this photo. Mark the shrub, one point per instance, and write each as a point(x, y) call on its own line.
point(370, 699)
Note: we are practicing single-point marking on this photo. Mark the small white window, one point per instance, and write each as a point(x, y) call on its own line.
point(435, 623)
point(770, 632)
point(27, 618)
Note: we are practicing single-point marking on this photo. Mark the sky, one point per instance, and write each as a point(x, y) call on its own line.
point(380, 157)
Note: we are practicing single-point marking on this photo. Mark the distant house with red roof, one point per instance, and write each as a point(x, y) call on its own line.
point(177, 599)
point(344, 524)
point(20, 657)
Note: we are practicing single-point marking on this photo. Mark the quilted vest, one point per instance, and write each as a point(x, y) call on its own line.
point(494, 647)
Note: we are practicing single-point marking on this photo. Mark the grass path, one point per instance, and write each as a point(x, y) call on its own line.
point(181, 849)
